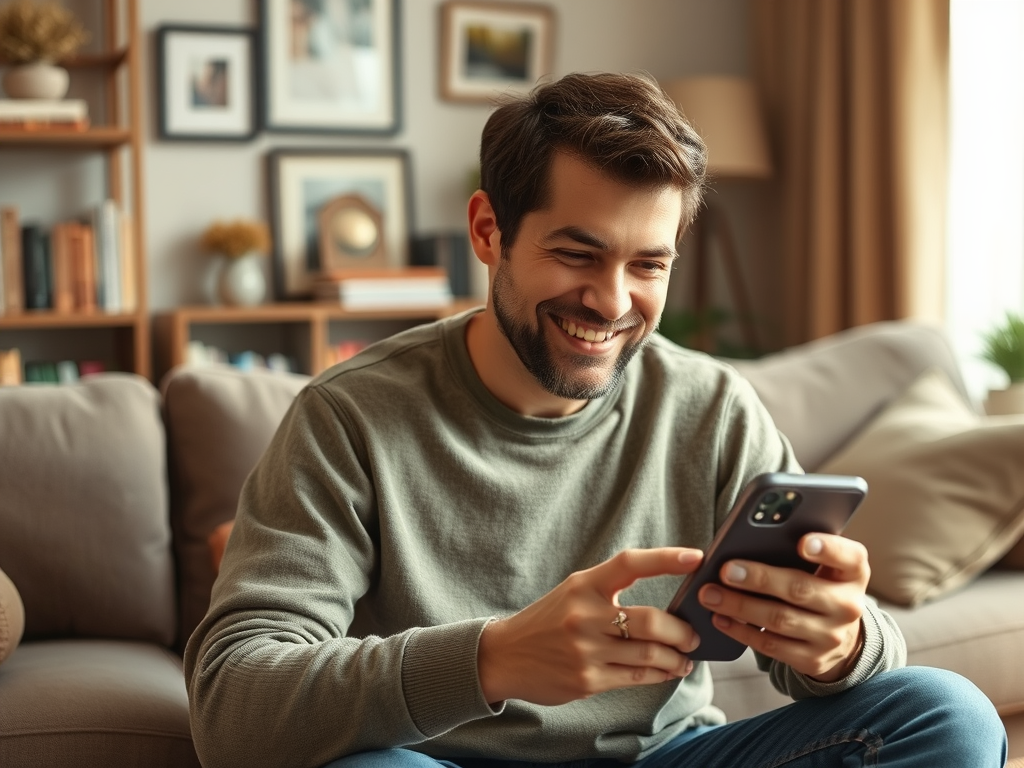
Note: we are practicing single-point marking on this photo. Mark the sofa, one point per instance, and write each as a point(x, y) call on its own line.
point(110, 489)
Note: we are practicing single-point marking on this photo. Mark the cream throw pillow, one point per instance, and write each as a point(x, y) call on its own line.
point(946, 491)
point(12, 617)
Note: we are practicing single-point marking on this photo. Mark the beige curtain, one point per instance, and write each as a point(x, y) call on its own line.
point(856, 93)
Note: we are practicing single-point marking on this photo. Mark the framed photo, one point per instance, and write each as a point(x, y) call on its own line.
point(330, 66)
point(206, 83)
point(492, 47)
point(304, 181)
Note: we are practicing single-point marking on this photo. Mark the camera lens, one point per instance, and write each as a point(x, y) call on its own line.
point(770, 498)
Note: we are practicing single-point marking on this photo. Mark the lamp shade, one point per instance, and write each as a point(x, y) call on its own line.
point(727, 114)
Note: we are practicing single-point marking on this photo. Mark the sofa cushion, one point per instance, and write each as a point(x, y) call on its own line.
point(219, 421)
point(822, 393)
point(94, 704)
point(83, 512)
point(12, 617)
point(977, 632)
point(946, 491)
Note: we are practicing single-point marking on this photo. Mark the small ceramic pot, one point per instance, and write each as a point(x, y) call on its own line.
point(1005, 402)
point(38, 80)
point(241, 281)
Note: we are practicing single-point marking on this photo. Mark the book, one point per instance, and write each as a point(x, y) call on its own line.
point(82, 258)
point(129, 287)
point(43, 110)
point(10, 367)
point(10, 236)
point(106, 237)
point(412, 287)
point(89, 367)
point(35, 254)
point(63, 294)
point(40, 372)
point(67, 371)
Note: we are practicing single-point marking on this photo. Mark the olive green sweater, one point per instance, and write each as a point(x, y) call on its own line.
point(400, 506)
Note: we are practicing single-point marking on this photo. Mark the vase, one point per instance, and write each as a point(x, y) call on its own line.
point(38, 80)
point(1005, 402)
point(241, 281)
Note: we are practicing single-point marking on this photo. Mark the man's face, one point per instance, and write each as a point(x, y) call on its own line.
point(583, 287)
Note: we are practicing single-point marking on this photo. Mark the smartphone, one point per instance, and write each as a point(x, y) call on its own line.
point(765, 525)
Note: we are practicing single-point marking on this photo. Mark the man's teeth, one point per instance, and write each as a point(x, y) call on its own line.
point(587, 334)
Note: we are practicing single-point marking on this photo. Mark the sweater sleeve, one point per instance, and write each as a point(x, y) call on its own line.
point(274, 677)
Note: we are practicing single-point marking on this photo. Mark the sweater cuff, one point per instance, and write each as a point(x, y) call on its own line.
point(440, 680)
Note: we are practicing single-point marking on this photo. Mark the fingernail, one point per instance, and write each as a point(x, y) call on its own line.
point(712, 596)
point(720, 621)
point(694, 644)
point(690, 555)
point(688, 668)
point(735, 572)
point(814, 546)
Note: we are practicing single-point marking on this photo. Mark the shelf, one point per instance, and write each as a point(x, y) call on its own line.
point(101, 137)
point(101, 60)
point(48, 319)
point(309, 320)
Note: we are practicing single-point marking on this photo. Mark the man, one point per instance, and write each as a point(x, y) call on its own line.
point(430, 561)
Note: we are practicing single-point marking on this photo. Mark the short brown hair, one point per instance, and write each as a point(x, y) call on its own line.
point(622, 124)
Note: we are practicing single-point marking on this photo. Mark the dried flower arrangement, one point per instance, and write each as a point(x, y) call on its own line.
point(236, 238)
point(32, 33)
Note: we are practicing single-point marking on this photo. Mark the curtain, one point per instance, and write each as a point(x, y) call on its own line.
point(856, 93)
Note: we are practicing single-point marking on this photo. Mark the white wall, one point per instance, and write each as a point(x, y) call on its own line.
point(190, 184)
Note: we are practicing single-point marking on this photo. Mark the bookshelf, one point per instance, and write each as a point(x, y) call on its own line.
point(112, 76)
point(305, 331)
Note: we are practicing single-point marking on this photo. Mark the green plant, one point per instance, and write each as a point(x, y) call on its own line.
point(1004, 346)
point(31, 33)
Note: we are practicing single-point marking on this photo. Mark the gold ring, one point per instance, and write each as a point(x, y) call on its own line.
point(622, 622)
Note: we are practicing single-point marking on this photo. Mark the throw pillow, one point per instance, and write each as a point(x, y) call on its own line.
point(946, 491)
point(12, 617)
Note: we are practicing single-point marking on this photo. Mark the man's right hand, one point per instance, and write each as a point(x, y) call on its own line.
point(564, 647)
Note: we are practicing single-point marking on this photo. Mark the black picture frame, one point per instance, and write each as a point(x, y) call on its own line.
point(206, 83)
point(348, 82)
point(302, 179)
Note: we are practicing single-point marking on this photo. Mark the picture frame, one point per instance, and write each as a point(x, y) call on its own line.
point(489, 48)
point(303, 180)
point(206, 83)
point(330, 66)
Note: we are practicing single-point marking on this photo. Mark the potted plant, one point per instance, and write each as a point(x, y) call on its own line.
point(33, 38)
point(1004, 347)
point(236, 276)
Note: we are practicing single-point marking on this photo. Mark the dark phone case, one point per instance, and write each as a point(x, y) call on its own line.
point(828, 502)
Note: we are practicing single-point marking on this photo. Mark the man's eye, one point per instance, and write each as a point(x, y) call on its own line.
point(652, 266)
point(574, 255)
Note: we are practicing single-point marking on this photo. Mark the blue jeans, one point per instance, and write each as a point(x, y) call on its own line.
point(916, 717)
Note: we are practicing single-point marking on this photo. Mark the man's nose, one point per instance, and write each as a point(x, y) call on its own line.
point(608, 293)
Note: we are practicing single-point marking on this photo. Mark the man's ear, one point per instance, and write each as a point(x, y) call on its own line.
point(483, 229)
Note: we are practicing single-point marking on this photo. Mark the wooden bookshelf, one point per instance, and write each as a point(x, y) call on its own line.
point(116, 133)
point(308, 326)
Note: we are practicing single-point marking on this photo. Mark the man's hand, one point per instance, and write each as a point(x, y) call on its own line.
point(563, 647)
point(817, 629)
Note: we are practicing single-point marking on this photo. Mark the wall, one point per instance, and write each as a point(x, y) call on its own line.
point(188, 185)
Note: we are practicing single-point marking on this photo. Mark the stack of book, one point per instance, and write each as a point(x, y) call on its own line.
point(43, 114)
point(408, 288)
point(74, 266)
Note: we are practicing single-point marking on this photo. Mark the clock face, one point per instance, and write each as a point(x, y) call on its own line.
point(351, 234)
point(355, 232)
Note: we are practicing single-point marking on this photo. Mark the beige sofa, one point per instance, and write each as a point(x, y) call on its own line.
point(109, 490)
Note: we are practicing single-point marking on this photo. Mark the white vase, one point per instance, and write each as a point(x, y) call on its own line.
point(1005, 402)
point(210, 282)
point(241, 282)
point(38, 80)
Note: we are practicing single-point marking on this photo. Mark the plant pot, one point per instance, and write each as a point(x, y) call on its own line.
point(241, 281)
point(38, 80)
point(1005, 402)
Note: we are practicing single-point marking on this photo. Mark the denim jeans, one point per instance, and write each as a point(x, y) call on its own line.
point(916, 717)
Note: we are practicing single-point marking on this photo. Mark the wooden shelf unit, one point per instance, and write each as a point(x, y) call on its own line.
point(117, 133)
point(311, 320)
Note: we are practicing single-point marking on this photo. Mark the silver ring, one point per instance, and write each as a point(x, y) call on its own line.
point(622, 622)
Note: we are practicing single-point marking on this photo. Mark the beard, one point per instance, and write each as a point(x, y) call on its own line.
point(578, 377)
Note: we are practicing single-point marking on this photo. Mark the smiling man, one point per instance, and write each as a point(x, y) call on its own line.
point(458, 548)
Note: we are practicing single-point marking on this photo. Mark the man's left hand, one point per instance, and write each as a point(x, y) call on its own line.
point(816, 629)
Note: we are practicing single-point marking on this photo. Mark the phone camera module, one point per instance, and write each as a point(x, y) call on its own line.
point(776, 509)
